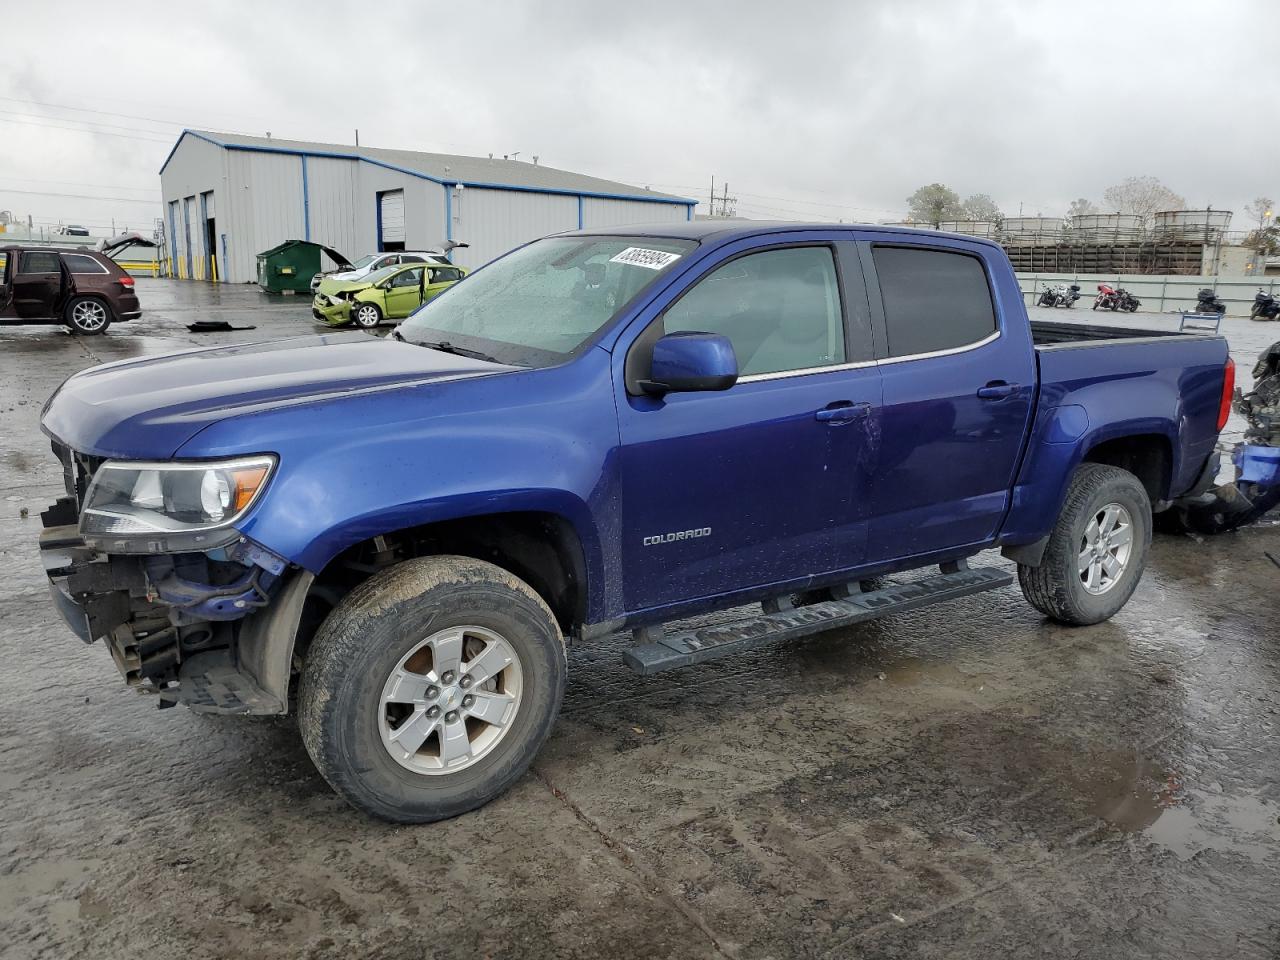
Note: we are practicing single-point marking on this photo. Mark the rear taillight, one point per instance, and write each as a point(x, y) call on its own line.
point(125, 281)
point(1228, 388)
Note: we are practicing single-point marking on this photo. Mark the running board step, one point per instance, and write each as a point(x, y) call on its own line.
point(706, 643)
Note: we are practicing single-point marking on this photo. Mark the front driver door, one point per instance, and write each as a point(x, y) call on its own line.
point(761, 483)
point(404, 292)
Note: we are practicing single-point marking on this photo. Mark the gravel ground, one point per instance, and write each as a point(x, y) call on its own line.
point(962, 781)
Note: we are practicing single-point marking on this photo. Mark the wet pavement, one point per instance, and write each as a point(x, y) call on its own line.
point(966, 780)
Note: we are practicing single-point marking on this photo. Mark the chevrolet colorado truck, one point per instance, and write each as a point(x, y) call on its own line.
point(604, 431)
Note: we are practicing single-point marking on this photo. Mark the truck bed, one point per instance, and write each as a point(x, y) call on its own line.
point(1048, 334)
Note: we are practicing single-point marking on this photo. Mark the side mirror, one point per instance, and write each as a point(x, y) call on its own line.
point(691, 361)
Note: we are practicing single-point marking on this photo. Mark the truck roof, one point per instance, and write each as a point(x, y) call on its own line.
point(725, 230)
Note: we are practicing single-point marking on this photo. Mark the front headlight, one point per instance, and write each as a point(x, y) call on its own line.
point(131, 498)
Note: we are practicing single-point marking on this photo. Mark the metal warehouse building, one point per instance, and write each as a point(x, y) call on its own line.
point(227, 197)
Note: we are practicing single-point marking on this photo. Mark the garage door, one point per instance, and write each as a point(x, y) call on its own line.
point(391, 220)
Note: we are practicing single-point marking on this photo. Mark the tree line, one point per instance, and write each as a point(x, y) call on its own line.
point(1141, 196)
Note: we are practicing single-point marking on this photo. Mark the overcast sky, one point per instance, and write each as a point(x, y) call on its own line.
point(807, 110)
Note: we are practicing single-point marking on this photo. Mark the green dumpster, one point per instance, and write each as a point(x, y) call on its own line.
point(289, 267)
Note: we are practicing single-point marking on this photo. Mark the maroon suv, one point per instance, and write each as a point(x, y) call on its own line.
point(84, 289)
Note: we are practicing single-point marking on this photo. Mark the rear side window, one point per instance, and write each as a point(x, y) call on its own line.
point(933, 300)
point(38, 261)
point(445, 275)
point(79, 263)
point(411, 258)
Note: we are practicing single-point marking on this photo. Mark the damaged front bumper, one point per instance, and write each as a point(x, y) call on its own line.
point(170, 621)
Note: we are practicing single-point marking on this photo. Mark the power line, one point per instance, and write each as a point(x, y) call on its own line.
point(82, 196)
point(104, 113)
point(101, 133)
point(76, 183)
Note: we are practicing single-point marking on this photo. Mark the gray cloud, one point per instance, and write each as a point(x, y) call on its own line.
point(796, 105)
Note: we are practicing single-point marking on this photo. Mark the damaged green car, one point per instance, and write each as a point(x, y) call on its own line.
point(391, 293)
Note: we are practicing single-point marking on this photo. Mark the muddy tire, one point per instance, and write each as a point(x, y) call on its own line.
point(1097, 551)
point(431, 687)
point(87, 315)
point(366, 316)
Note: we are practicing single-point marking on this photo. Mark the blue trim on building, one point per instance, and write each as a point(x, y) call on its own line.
point(688, 213)
point(377, 216)
point(579, 211)
point(306, 202)
point(558, 191)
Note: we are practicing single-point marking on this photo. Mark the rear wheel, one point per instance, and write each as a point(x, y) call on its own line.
point(366, 315)
point(430, 688)
point(1097, 551)
point(88, 315)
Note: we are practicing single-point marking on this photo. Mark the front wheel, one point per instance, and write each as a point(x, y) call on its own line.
point(88, 315)
point(430, 688)
point(366, 316)
point(1097, 550)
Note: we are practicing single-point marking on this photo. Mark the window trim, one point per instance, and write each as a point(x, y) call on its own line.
point(644, 340)
point(867, 257)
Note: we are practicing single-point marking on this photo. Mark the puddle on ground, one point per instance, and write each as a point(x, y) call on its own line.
point(1139, 796)
point(915, 671)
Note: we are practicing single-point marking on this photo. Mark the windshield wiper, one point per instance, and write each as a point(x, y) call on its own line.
point(444, 346)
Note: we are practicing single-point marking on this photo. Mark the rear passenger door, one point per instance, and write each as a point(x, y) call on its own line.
point(958, 392)
point(761, 483)
point(36, 284)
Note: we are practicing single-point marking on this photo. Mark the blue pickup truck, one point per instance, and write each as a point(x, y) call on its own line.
point(604, 431)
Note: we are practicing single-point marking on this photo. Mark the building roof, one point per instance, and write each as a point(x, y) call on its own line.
point(445, 167)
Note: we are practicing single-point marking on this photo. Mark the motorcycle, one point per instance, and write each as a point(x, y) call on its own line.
point(1107, 298)
point(1060, 295)
point(1127, 301)
point(1266, 306)
point(1207, 302)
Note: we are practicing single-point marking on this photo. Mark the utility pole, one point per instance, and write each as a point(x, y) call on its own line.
point(357, 136)
point(711, 202)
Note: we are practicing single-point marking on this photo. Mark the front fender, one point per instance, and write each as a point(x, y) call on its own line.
point(538, 440)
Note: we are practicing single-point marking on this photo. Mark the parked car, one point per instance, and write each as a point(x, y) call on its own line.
point(391, 293)
point(605, 430)
point(378, 261)
point(83, 289)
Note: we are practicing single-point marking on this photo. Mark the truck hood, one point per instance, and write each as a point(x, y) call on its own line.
point(148, 408)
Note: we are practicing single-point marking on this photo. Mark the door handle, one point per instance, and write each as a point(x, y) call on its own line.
point(997, 390)
point(844, 411)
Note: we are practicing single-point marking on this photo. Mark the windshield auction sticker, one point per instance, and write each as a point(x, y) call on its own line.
point(641, 257)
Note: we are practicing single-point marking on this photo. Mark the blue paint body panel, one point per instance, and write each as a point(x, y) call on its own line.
point(684, 502)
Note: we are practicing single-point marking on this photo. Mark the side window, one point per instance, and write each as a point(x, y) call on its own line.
point(933, 300)
point(407, 278)
point(444, 275)
point(390, 261)
point(780, 309)
point(80, 263)
point(411, 258)
point(38, 261)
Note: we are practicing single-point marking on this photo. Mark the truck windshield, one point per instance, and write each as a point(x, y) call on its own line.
point(539, 304)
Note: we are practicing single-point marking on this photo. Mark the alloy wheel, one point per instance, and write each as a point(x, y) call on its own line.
point(450, 700)
point(1105, 548)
